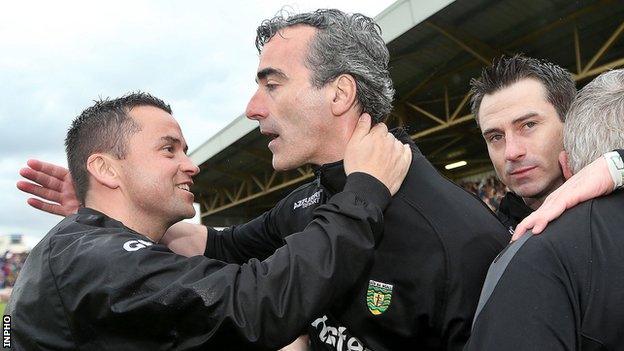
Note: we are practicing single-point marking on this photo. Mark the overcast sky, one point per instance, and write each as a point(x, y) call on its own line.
point(57, 56)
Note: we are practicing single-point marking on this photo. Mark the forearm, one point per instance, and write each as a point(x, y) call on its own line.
point(268, 303)
point(186, 239)
point(315, 267)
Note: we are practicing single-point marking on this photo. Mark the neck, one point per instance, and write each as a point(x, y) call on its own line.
point(131, 217)
point(337, 139)
point(535, 202)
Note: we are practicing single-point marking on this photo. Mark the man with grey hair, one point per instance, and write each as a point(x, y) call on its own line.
point(317, 73)
point(563, 290)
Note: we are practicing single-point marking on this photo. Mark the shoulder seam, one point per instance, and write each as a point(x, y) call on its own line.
point(590, 266)
point(71, 331)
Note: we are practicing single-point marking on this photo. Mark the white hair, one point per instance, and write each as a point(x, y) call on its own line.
point(595, 122)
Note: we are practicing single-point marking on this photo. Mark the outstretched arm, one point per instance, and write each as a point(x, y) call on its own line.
point(51, 183)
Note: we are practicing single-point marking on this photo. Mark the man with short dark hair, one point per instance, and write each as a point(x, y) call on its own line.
point(563, 290)
point(317, 73)
point(520, 104)
point(100, 280)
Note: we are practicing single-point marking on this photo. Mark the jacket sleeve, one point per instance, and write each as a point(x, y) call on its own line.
point(531, 307)
point(257, 238)
point(179, 302)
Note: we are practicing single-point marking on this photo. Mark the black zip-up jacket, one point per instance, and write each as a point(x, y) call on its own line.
point(562, 289)
point(512, 211)
point(94, 284)
point(423, 288)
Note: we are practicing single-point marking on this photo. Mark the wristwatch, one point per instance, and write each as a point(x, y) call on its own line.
point(616, 167)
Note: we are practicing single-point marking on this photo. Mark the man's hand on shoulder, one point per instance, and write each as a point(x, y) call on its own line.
point(51, 183)
point(378, 153)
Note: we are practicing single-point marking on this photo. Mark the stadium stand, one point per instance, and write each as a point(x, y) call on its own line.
point(436, 47)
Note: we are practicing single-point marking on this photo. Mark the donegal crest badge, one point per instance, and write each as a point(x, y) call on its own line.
point(378, 297)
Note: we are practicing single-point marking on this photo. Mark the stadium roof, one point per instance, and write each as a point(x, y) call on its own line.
point(436, 47)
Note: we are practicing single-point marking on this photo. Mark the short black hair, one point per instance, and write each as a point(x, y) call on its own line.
point(104, 127)
point(505, 71)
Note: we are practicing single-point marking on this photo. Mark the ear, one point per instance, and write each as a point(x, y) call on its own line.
point(565, 166)
point(103, 169)
point(344, 92)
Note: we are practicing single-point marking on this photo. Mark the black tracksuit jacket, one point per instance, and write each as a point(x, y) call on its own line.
point(94, 284)
point(430, 265)
point(563, 289)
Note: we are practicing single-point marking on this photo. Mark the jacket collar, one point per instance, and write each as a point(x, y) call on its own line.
point(91, 217)
point(332, 175)
point(514, 207)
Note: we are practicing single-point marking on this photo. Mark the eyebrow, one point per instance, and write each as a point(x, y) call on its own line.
point(265, 72)
point(524, 117)
point(518, 120)
point(174, 140)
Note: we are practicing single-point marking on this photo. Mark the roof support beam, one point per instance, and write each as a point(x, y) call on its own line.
point(263, 192)
point(426, 113)
point(435, 76)
point(259, 155)
point(443, 126)
point(446, 103)
point(446, 146)
point(422, 84)
point(240, 190)
point(577, 50)
point(596, 71)
point(472, 45)
point(557, 23)
point(238, 176)
point(460, 106)
point(604, 48)
point(258, 182)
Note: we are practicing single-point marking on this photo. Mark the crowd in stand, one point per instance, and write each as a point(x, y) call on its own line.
point(490, 190)
point(10, 265)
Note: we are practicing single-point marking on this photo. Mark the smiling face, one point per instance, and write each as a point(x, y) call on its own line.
point(292, 112)
point(156, 173)
point(523, 134)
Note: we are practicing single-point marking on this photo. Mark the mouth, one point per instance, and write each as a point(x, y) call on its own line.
point(522, 171)
point(184, 186)
point(271, 135)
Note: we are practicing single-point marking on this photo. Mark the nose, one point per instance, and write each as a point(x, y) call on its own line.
point(257, 108)
point(514, 148)
point(189, 167)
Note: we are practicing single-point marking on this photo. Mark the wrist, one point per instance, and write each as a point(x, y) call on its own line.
point(367, 187)
point(616, 168)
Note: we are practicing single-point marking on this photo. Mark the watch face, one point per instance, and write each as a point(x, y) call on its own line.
point(617, 161)
point(618, 164)
point(616, 168)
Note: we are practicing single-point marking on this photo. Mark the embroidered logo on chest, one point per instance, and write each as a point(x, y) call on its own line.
point(134, 245)
point(308, 201)
point(378, 297)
